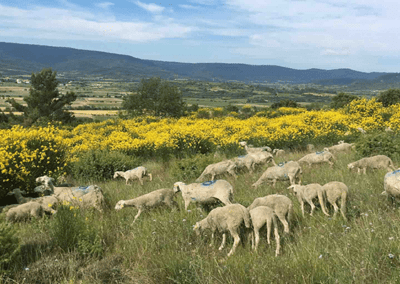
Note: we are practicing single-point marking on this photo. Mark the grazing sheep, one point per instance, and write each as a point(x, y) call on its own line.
point(251, 160)
point(308, 193)
point(136, 173)
point(333, 191)
point(220, 168)
point(341, 147)
point(278, 152)
point(361, 130)
point(375, 162)
point(287, 171)
point(388, 129)
point(250, 149)
point(260, 216)
point(391, 184)
point(310, 147)
point(18, 196)
point(224, 219)
point(317, 158)
point(24, 212)
point(206, 192)
point(150, 200)
point(281, 204)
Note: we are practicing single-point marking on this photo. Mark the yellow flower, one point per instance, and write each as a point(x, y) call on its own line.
point(71, 207)
point(50, 205)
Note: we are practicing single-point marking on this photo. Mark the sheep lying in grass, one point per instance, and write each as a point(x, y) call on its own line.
point(225, 219)
point(47, 185)
point(205, 193)
point(341, 147)
point(49, 202)
point(287, 171)
point(18, 196)
point(333, 191)
point(260, 216)
point(250, 149)
point(164, 196)
point(220, 168)
point(391, 184)
point(308, 193)
point(136, 173)
point(281, 204)
point(278, 152)
point(317, 158)
point(375, 162)
point(24, 212)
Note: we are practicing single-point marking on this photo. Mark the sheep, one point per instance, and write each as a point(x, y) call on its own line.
point(333, 191)
point(375, 162)
point(361, 130)
point(310, 147)
point(388, 129)
point(18, 196)
point(24, 212)
point(391, 184)
point(205, 193)
point(287, 171)
point(136, 173)
point(251, 160)
point(260, 216)
point(341, 147)
point(278, 152)
point(308, 193)
point(220, 168)
point(48, 202)
point(317, 158)
point(281, 204)
point(250, 149)
point(47, 185)
point(224, 219)
point(149, 200)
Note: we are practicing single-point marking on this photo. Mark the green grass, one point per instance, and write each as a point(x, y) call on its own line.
point(161, 247)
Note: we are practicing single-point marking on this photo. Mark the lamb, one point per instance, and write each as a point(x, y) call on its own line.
point(317, 158)
point(375, 162)
point(287, 171)
point(281, 204)
point(333, 191)
point(205, 193)
point(278, 152)
point(136, 173)
point(250, 149)
point(308, 193)
point(18, 195)
point(224, 219)
point(220, 168)
point(391, 184)
point(260, 216)
point(24, 212)
point(341, 147)
point(149, 200)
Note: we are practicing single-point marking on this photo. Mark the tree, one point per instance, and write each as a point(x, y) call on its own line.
point(44, 102)
point(341, 100)
point(285, 103)
point(389, 97)
point(155, 97)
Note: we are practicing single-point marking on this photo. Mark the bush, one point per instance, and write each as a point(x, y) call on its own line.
point(101, 165)
point(379, 143)
point(9, 245)
point(190, 168)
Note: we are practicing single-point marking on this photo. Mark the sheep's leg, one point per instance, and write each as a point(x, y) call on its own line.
point(365, 170)
point(269, 224)
point(312, 206)
point(278, 242)
point(335, 207)
point(223, 242)
point(284, 222)
point(126, 181)
point(273, 183)
point(302, 207)
point(140, 180)
point(212, 176)
point(137, 215)
point(236, 241)
point(322, 203)
point(187, 202)
point(256, 239)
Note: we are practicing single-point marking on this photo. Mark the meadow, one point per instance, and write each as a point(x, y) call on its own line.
point(161, 246)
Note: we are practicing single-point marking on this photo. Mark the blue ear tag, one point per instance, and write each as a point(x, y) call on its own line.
point(208, 183)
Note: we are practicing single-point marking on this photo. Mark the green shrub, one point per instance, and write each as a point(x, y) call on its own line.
point(9, 245)
point(379, 143)
point(101, 165)
point(190, 168)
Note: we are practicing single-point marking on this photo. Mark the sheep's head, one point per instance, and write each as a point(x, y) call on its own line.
point(295, 188)
point(243, 143)
point(177, 186)
point(116, 174)
point(120, 204)
point(350, 166)
point(196, 228)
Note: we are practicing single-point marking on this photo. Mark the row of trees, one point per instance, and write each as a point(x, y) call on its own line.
point(153, 97)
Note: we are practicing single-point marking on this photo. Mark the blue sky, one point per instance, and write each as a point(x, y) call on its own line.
point(359, 34)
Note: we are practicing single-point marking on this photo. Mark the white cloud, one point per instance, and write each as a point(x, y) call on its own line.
point(104, 5)
point(152, 8)
point(184, 6)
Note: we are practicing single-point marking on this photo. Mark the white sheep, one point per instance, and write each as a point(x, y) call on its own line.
point(225, 219)
point(308, 193)
point(278, 152)
point(136, 173)
point(250, 149)
point(361, 130)
point(24, 212)
point(18, 196)
point(47, 185)
point(375, 162)
point(206, 192)
point(281, 204)
point(220, 168)
point(317, 158)
point(391, 184)
point(333, 191)
point(251, 160)
point(260, 216)
point(286, 171)
point(341, 147)
point(48, 202)
point(164, 196)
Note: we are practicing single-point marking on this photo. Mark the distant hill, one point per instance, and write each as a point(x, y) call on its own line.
point(16, 59)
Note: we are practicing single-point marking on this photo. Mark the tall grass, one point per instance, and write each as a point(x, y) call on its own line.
point(160, 246)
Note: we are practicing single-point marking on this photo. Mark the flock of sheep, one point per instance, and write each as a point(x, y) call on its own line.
point(231, 217)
